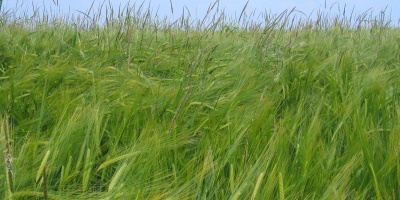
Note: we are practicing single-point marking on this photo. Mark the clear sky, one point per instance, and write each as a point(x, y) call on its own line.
point(231, 7)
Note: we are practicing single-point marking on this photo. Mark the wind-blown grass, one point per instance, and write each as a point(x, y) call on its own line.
point(137, 109)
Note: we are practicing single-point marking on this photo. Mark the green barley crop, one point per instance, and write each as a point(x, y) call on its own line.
point(146, 108)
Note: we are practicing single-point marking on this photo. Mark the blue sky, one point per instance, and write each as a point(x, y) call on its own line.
point(232, 7)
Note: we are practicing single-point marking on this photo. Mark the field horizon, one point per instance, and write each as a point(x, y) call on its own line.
point(144, 108)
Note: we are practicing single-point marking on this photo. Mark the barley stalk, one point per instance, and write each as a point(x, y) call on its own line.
point(281, 189)
point(8, 160)
point(45, 184)
point(178, 110)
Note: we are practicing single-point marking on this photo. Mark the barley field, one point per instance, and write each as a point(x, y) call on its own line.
point(138, 107)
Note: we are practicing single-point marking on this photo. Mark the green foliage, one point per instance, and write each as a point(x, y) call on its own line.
point(137, 109)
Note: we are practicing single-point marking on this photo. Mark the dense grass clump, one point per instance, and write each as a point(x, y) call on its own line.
point(145, 109)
